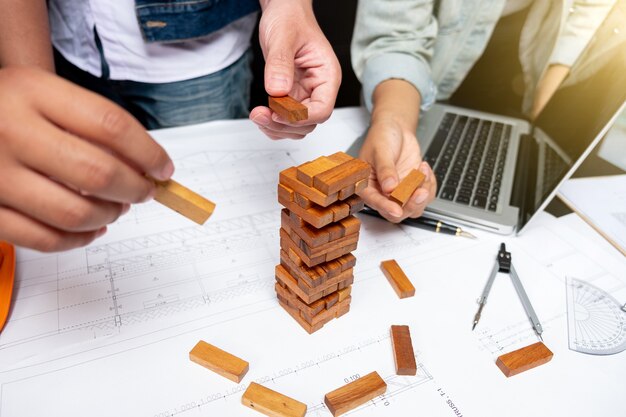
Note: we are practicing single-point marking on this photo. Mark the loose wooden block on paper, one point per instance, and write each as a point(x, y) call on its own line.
point(221, 362)
point(271, 403)
point(523, 359)
point(397, 278)
point(354, 394)
point(184, 201)
point(403, 354)
point(289, 108)
point(407, 187)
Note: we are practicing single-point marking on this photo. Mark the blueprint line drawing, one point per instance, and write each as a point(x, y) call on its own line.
point(100, 290)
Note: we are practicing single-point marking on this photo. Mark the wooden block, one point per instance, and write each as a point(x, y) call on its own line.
point(219, 361)
point(345, 283)
point(344, 293)
point(312, 276)
point(523, 359)
point(347, 192)
point(311, 235)
point(184, 201)
point(338, 244)
point(315, 215)
point(296, 315)
point(403, 354)
point(288, 108)
point(287, 243)
point(354, 394)
point(288, 177)
point(340, 211)
point(341, 251)
point(397, 278)
point(302, 201)
point(333, 180)
point(356, 204)
point(271, 403)
point(331, 299)
point(307, 171)
point(310, 310)
point(309, 295)
point(361, 185)
point(285, 193)
point(407, 187)
point(315, 237)
point(326, 315)
point(340, 157)
point(350, 225)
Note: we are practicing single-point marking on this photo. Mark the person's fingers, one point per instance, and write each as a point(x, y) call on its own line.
point(376, 200)
point(259, 116)
point(281, 135)
point(385, 166)
point(97, 119)
point(423, 195)
point(24, 231)
point(279, 64)
point(82, 165)
point(56, 206)
point(322, 101)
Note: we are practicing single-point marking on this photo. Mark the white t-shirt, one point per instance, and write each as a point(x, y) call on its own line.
point(129, 56)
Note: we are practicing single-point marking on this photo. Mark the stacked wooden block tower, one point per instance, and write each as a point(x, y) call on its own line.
point(318, 233)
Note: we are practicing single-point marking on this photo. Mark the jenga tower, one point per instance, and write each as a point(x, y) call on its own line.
point(318, 232)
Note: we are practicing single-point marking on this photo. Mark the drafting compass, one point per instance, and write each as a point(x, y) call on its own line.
point(504, 264)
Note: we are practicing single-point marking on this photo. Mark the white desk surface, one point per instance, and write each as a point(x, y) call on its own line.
point(106, 330)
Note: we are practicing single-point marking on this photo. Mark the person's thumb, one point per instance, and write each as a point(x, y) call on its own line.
point(386, 172)
point(279, 66)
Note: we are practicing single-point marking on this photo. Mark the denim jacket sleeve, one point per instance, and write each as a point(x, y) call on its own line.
point(581, 22)
point(394, 39)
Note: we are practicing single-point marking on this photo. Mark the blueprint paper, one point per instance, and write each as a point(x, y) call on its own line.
point(171, 283)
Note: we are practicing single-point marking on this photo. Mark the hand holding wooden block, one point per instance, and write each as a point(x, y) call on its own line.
point(271, 403)
point(355, 393)
point(289, 108)
point(523, 359)
point(403, 354)
point(184, 201)
point(407, 187)
point(397, 278)
point(221, 362)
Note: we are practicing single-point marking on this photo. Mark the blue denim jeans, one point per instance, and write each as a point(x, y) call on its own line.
point(221, 95)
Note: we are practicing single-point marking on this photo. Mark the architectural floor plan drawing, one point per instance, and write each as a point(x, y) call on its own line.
point(106, 330)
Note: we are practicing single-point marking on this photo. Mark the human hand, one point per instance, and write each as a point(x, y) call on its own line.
point(299, 62)
point(393, 152)
point(71, 162)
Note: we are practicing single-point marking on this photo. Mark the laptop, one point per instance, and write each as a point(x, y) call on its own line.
point(496, 172)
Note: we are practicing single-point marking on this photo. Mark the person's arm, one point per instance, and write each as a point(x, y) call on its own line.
point(391, 49)
point(582, 21)
point(299, 62)
point(25, 34)
point(71, 161)
point(549, 83)
point(391, 148)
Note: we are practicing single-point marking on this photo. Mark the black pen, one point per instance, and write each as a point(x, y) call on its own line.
point(436, 226)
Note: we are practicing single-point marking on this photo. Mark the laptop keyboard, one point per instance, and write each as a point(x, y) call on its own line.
point(467, 155)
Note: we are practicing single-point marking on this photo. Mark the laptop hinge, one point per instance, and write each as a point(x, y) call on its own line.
point(525, 177)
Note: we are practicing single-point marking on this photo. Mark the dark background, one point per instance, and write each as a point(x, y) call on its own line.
point(336, 18)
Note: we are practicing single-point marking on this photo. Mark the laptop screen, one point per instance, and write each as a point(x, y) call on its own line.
point(579, 112)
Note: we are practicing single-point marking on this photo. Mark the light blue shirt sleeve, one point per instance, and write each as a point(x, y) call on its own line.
point(394, 39)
